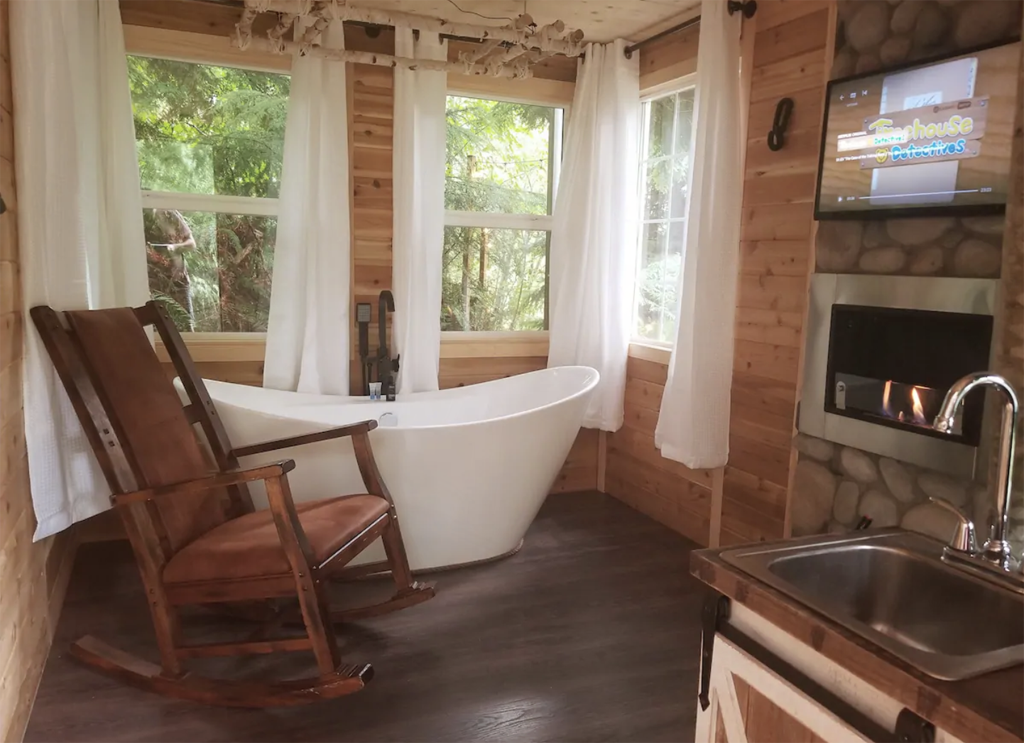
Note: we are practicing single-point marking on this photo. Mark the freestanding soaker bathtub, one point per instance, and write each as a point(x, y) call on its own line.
point(468, 468)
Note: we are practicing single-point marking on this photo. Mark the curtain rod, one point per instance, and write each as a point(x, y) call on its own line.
point(661, 35)
point(746, 7)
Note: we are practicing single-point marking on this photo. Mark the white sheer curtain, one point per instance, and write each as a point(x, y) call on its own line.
point(593, 236)
point(693, 426)
point(80, 220)
point(308, 329)
point(419, 164)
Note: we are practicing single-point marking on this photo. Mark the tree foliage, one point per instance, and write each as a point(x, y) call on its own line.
point(498, 160)
point(218, 131)
point(665, 178)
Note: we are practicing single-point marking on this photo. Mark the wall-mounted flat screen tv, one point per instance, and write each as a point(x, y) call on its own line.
point(932, 138)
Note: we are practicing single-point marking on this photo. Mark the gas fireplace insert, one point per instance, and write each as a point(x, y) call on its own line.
point(882, 351)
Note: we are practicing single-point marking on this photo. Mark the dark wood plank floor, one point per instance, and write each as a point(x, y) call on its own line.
point(589, 633)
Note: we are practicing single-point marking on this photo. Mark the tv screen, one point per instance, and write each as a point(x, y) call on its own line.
point(933, 138)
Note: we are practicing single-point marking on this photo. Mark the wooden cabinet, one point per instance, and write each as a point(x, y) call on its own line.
point(766, 699)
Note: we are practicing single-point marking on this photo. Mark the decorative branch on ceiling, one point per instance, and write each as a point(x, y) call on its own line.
point(505, 51)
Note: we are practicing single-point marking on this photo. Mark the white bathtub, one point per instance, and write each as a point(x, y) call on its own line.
point(468, 467)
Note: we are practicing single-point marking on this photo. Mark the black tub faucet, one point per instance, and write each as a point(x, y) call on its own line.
point(386, 366)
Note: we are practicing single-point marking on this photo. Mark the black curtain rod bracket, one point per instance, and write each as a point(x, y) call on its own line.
point(746, 7)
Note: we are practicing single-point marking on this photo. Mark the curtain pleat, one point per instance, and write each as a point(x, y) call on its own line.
point(308, 327)
point(593, 236)
point(419, 172)
point(82, 243)
point(693, 424)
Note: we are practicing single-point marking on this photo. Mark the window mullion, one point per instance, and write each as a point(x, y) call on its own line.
point(218, 203)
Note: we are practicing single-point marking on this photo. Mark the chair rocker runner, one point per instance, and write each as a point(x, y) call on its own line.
point(189, 516)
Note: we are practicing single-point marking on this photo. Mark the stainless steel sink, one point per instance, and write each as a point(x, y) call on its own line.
point(892, 588)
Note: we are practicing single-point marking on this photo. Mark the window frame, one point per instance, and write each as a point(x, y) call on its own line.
point(501, 220)
point(653, 93)
point(204, 49)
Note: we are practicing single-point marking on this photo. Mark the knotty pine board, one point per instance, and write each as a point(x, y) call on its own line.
point(637, 474)
point(790, 56)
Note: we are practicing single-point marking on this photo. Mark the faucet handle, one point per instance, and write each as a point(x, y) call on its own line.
point(964, 539)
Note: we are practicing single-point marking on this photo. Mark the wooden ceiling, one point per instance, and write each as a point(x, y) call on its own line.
point(600, 20)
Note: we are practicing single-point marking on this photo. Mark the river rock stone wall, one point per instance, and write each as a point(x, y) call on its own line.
point(933, 246)
point(836, 485)
point(876, 34)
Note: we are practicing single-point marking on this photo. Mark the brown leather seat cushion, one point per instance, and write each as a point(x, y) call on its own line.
point(249, 546)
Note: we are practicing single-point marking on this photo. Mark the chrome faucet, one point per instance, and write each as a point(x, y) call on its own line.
point(996, 551)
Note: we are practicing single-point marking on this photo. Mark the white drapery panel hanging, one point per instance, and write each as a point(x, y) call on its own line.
point(419, 167)
point(308, 328)
point(593, 235)
point(80, 220)
point(693, 425)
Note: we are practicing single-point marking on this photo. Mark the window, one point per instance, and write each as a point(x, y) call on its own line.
point(502, 167)
point(666, 126)
point(209, 142)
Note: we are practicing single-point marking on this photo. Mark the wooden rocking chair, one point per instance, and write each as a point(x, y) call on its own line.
point(188, 514)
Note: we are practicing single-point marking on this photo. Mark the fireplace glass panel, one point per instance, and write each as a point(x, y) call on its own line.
point(893, 367)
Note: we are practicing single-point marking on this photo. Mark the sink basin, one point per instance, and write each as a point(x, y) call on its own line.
point(892, 588)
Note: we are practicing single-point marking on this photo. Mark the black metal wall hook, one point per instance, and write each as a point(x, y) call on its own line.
point(746, 7)
point(777, 136)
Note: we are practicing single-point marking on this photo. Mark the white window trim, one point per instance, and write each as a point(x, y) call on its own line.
point(202, 49)
point(669, 88)
point(660, 91)
point(502, 221)
point(498, 221)
point(221, 204)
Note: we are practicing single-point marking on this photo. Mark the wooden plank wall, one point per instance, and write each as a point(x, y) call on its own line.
point(669, 58)
point(33, 576)
point(791, 50)
point(371, 133)
point(636, 473)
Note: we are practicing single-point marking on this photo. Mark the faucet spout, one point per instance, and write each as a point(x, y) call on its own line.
point(996, 549)
point(386, 366)
point(385, 304)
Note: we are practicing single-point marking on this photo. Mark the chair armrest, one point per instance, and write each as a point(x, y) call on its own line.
point(219, 480)
point(354, 429)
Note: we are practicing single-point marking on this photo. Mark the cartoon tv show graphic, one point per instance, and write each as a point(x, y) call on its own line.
point(938, 135)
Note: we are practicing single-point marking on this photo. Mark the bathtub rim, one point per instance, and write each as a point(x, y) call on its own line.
point(585, 390)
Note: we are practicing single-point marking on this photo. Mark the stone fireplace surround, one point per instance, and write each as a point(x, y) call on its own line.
point(835, 485)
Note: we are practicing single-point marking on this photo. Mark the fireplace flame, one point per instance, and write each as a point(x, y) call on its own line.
point(918, 407)
point(897, 409)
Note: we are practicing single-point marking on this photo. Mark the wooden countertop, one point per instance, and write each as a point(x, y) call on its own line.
point(988, 708)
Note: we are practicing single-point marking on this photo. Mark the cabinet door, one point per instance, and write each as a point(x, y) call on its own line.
point(751, 704)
